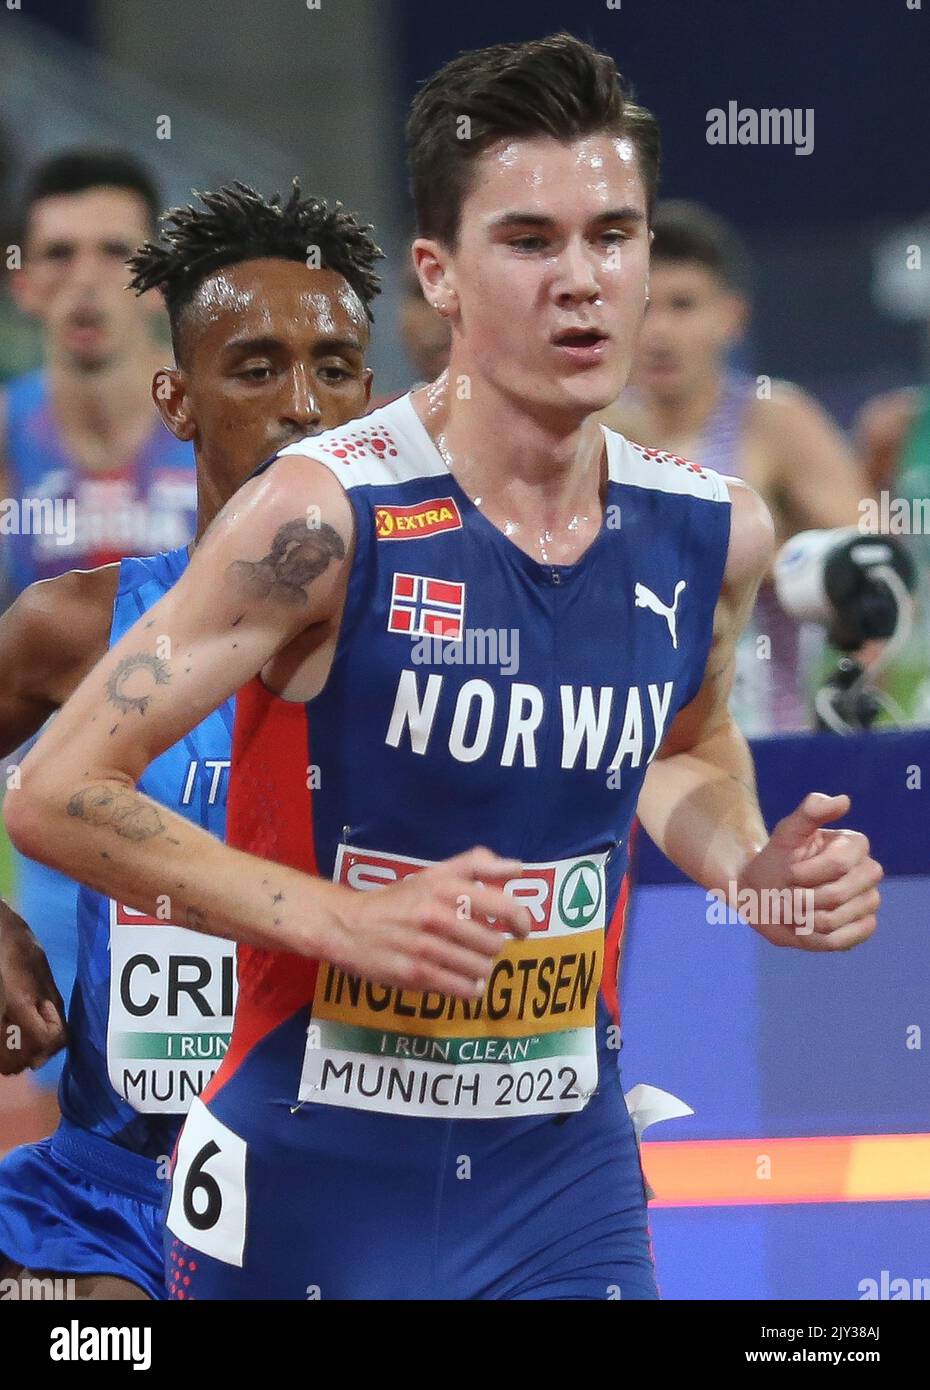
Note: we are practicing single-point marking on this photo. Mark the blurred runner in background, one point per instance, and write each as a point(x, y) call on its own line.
point(88, 471)
point(687, 401)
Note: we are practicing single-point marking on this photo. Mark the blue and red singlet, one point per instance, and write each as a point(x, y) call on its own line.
point(365, 1141)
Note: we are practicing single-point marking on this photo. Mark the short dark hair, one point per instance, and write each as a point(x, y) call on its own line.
point(556, 86)
point(74, 171)
point(237, 224)
point(685, 231)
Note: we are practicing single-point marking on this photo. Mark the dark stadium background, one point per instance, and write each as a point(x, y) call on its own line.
point(283, 88)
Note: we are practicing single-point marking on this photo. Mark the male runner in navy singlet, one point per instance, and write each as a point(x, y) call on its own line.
point(420, 1096)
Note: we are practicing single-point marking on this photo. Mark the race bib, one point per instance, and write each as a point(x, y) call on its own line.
point(172, 997)
point(208, 1190)
point(527, 1047)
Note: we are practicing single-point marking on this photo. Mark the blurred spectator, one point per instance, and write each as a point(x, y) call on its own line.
point(685, 399)
point(82, 433)
point(20, 345)
point(893, 434)
point(88, 471)
point(425, 336)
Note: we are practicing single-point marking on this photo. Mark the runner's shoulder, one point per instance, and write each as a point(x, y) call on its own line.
point(295, 488)
point(781, 403)
point(751, 546)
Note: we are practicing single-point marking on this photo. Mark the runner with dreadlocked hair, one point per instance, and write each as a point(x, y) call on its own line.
point(270, 311)
point(240, 225)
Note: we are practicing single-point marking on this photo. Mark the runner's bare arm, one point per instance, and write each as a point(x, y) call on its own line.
point(50, 637)
point(272, 565)
point(818, 479)
point(880, 430)
point(259, 577)
point(698, 801)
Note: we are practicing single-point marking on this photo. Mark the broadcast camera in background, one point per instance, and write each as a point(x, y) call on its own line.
point(860, 589)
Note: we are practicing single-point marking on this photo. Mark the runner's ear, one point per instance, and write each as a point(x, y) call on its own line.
point(170, 396)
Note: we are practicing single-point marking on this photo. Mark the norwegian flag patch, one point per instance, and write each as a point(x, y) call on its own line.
point(423, 607)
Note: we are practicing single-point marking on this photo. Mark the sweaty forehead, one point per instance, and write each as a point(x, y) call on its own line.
point(529, 174)
point(274, 297)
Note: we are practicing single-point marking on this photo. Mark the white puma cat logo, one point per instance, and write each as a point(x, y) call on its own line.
point(645, 598)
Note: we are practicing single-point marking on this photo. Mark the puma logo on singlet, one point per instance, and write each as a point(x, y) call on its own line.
point(645, 598)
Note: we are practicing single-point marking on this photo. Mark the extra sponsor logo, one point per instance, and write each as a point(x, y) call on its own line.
point(414, 522)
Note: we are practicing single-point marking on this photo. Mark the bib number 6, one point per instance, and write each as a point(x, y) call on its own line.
point(208, 1196)
point(199, 1181)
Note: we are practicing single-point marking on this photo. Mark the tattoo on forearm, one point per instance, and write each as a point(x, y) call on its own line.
point(114, 808)
point(299, 554)
point(132, 684)
point(720, 670)
point(276, 898)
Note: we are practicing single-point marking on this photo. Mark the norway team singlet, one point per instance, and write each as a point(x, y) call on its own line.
point(153, 1002)
point(477, 696)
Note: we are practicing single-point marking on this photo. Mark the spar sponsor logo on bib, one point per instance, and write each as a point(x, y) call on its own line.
point(172, 998)
point(527, 1047)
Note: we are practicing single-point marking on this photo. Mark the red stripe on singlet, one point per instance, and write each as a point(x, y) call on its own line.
point(610, 976)
point(269, 813)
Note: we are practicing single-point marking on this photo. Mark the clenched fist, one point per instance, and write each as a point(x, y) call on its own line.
point(829, 875)
point(32, 1026)
point(440, 929)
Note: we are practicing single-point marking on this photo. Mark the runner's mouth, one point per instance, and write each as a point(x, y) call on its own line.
point(86, 319)
point(580, 338)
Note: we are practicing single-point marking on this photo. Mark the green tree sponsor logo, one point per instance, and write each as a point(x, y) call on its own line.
point(580, 895)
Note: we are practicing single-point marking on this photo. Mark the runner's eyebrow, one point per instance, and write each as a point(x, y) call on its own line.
point(516, 218)
point(268, 343)
point(334, 344)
